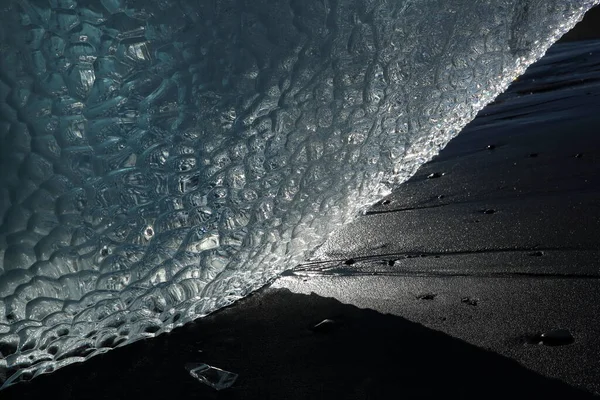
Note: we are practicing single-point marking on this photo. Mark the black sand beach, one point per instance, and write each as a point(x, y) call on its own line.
point(440, 291)
point(267, 339)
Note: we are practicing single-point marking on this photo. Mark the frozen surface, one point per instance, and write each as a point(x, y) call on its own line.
point(161, 159)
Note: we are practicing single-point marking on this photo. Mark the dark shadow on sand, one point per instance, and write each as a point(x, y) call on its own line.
point(267, 339)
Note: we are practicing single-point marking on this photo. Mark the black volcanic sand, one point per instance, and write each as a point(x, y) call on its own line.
point(496, 239)
point(268, 339)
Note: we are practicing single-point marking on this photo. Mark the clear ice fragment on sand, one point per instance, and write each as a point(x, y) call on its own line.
point(214, 377)
point(327, 325)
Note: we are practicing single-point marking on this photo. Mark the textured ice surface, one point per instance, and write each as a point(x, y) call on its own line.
point(162, 158)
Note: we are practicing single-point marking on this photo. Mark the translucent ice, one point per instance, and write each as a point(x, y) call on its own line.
point(211, 376)
point(161, 159)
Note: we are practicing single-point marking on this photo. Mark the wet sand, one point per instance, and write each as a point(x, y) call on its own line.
point(495, 240)
point(267, 339)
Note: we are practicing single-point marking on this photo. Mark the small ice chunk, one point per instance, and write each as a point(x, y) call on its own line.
point(435, 175)
point(214, 377)
point(327, 325)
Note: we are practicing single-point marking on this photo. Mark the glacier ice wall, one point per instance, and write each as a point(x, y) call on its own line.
point(162, 158)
